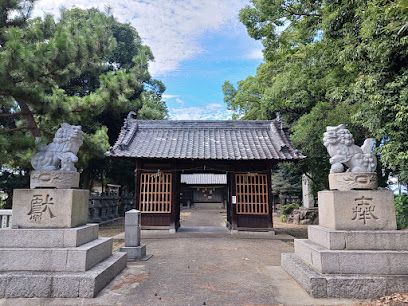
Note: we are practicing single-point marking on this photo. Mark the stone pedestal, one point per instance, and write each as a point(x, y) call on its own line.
point(357, 210)
point(51, 251)
point(135, 253)
point(353, 180)
point(56, 179)
point(50, 208)
point(356, 251)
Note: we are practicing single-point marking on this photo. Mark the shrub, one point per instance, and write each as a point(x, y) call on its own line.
point(286, 210)
point(401, 209)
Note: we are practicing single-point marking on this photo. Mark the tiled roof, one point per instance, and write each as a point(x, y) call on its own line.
point(214, 140)
point(204, 179)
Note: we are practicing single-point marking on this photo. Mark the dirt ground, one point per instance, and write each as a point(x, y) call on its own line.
point(297, 231)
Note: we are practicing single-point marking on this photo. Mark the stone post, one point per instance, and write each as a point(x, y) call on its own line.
point(132, 228)
point(134, 249)
point(308, 199)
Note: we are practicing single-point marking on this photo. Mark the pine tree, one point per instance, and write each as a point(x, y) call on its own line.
point(86, 68)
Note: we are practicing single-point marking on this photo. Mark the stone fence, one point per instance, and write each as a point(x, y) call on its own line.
point(105, 207)
point(5, 218)
point(102, 208)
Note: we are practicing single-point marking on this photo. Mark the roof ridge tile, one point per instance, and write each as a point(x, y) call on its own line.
point(189, 139)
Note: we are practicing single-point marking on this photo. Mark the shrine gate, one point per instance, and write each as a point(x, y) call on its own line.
point(246, 151)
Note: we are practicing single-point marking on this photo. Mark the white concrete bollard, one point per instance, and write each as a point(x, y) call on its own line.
point(134, 249)
point(132, 228)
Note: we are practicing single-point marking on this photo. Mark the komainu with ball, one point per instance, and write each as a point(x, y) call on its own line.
point(345, 155)
point(61, 154)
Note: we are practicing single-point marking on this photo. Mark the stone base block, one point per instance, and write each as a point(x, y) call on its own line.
point(351, 261)
point(27, 284)
point(358, 240)
point(135, 253)
point(357, 210)
point(50, 208)
point(54, 179)
point(353, 180)
point(74, 259)
point(48, 238)
point(353, 286)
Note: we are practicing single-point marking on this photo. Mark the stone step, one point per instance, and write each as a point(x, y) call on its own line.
point(29, 284)
point(74, 259)
point(351, 261)
point(358, 240)
point(352, 286)
point(48, 238)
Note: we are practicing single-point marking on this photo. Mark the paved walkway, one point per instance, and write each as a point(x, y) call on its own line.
point(202, 220)
point(199, 216)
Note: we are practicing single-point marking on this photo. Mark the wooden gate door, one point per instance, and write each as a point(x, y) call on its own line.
point(252, 206)
point(155, 200)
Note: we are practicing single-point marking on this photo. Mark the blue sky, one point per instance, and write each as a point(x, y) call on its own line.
point(195, 90)
point(197, 46)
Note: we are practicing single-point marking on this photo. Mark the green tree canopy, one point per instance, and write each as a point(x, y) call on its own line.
point(85, 68)
point(330, 62)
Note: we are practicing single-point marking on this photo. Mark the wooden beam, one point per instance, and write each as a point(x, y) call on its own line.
point(137, 172)
point(232, 187)
point(270, 224)
point(208, 166)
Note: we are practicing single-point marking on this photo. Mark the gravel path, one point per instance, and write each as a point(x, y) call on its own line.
point(203, 268)
point(202, 271)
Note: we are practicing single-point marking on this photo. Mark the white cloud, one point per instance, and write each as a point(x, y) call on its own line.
point(173, 99)
point(255, 54)
point(167, 97)
point(212, 111)
point(179, 101)
point(170, 27)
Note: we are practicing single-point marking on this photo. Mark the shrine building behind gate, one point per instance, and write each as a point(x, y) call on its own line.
point(246, 151)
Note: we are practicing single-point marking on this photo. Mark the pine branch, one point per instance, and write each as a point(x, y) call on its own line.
point(26, 112)
point(290, 11)
point(6, 131)
point(28, 117)
point(7, 115)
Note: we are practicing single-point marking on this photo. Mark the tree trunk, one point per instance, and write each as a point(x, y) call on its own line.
point(28, 116)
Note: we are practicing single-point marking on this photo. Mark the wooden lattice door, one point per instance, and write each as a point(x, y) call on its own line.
point(251, 194)
point(155, 193)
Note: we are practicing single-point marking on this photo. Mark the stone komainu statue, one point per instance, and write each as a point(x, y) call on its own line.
point(343, 152)
point(61, 154)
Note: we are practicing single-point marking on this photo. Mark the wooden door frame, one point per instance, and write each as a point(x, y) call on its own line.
point(229, 167)
point(235, 216)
